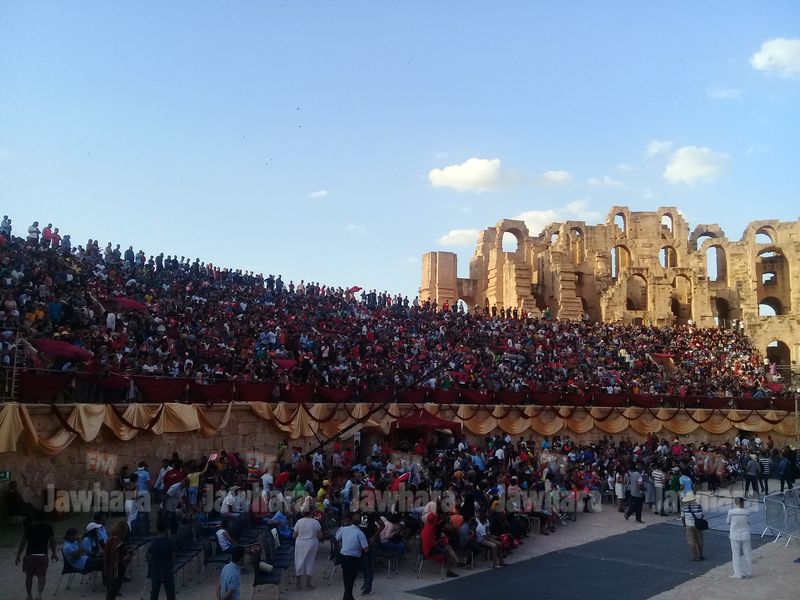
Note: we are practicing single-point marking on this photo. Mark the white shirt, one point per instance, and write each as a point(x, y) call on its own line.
point(499, 454)
point(266, 483)
point(228, 504)
point(740, 528)
point(480, 532)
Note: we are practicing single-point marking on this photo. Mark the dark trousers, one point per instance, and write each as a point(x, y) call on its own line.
point(635, 506)
point(112, 588)
point(367, 568)
point(750, 481)
point(764, 479)
point(789, 482)
point(169, 588)
point(349, 571)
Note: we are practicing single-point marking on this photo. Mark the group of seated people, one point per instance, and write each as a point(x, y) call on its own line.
point(193, 319)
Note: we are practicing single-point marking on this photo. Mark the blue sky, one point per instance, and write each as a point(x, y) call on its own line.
point(312, 139)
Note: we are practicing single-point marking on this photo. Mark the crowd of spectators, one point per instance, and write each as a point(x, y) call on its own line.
point(183, 317)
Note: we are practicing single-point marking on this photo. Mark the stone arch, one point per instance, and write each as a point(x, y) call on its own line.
point(702, 233)
point(773, 272)
point(721, 309)
point(778, 352)
point(770, 307)
point(512, 238)
point(577, 240)
point(668, 257)
point(681, 299)
point(765, 235)
point(620, 259)
point(621, 221)
point(636, 293)
point(667, 223)
point(716, 263)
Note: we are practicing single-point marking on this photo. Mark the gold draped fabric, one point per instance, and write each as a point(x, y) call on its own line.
point(85, 421)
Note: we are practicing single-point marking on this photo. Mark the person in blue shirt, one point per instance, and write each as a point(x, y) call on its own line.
point(230, 579)
point(75, 555)
point(352, 543)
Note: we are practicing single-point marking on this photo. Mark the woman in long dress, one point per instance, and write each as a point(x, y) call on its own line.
point(307, 534)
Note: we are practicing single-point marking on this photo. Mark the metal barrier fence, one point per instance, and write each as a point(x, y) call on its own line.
point(783, 515)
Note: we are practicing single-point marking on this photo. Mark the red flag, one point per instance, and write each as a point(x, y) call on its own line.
point(354, 289)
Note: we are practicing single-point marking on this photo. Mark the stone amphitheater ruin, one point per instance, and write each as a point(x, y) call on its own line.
point(642, 267)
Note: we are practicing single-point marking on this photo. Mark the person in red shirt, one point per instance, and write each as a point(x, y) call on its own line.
point(174, 475)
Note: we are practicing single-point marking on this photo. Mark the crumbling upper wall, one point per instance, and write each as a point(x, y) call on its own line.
point(637, 267)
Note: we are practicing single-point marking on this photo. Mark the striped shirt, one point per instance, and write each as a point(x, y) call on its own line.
point(658, 478)
point(690, 511)
point(766, 466)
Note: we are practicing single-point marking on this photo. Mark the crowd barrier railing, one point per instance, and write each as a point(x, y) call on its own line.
point(783, 515)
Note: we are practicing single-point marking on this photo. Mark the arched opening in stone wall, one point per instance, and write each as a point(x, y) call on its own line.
point(765, 235)
point(775, 275)
point(636, 292)
point(702, 239)
point(681, 301)
point(577, 245)
point(619, 221)
point(668, 257)
point(716, 264)
point(778, 352)
point(666, 222)
point(770, 307)
point(510, 242)
point(554, 238)
point(620, 259)
point(722, 312)
point(465, 305)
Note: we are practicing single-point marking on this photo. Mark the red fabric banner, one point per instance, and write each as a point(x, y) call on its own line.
point(752, 403)
point(161, 389)
point(512, 398)
point(287, 364)
point(62, 349)
point(610, 400)
point(414, 396)
point(476, 397)
point(575, 399)
point(783, 404)
point(377, 396)
point(545, 398)
point(114, 381)
point(42, 387)
point(334, 394)
point(645, 400)
point(298, 392)
point(444, 396)
point(211, 393)
point(713, 402)
point(254, 391)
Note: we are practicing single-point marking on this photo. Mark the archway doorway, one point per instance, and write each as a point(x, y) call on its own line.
point(778, 352)
point(636, 293)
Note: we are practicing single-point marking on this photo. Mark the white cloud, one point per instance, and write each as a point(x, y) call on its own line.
point(536, 220)
point(459, 237)
point(724, 93)
point(580, 209)
point(691, 165)
point(625, 167)
point(556, 177)
point(577, 210)
point(780, 56)
point(473, 175)
point(353, 228)
point(319, 194)
point(604, 181)
point(658, 147)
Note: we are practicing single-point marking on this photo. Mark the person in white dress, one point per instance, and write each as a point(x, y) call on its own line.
point(307, 535)
point(740, 541)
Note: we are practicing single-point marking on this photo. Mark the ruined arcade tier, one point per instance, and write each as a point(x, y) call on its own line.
point(637, 267)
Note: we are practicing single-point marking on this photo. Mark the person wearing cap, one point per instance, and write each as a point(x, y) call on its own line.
point(75, 555)
point(690, 512)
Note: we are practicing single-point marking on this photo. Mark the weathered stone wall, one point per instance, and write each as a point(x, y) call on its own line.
point(638, 267)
